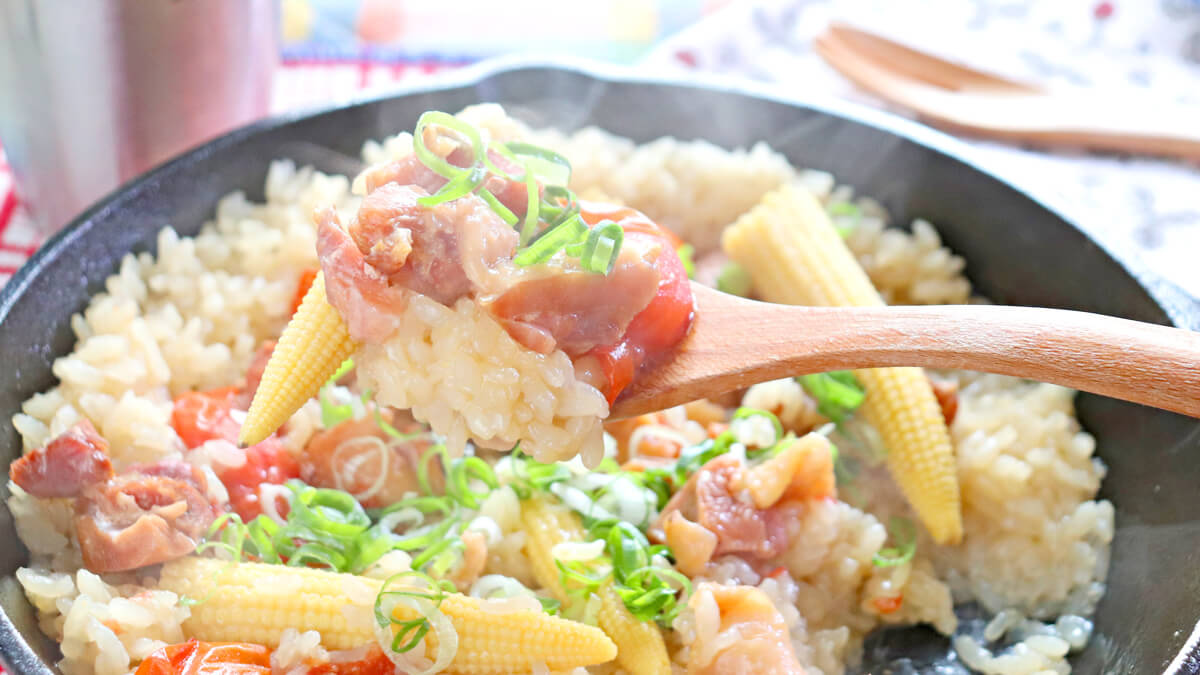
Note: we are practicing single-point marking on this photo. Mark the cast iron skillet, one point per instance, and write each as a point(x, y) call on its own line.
point(1018, 251)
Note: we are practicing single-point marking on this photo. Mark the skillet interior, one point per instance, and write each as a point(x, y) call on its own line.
point(1018, 252)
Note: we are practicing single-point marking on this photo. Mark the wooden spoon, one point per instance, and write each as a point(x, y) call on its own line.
point(736, 342)
point(963, 99)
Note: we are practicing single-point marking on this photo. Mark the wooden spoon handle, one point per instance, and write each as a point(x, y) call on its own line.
point(735, 343)
point(1105, 122)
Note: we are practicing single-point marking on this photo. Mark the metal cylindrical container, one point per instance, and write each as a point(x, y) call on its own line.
point(95, 92)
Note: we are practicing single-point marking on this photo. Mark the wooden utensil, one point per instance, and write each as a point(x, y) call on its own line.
point(736, 342)
point(974, 102)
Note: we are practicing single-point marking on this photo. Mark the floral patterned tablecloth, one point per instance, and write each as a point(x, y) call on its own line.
point(1142, 50)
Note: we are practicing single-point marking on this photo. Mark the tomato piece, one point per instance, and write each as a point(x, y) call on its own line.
point(306, 281)
point(663, 322)
point(374, 663)
point(208, 658)
point(200, 416)
point(888, 604)
point(205, 416)
point(267, 462)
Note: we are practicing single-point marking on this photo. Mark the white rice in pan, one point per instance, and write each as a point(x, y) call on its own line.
point(1035, 554)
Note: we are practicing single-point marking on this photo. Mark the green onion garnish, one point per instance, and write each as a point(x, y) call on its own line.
point(430, 593)
point(330, 529)
point(734, 279)
point(333, 414)
point(847, 216)
point(552, 241)
point(460, 186)
point(844, 209)
point(341, 371)
point(501, 210)
point(600, 250)
point(838, 393)
point(550, 167)
point(687, 256)
point(434, 161)
point(903, 532)
point(545, 213)
point(747, 413)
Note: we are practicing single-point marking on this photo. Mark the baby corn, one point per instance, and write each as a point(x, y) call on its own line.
point(256, 602)
point(313, 345)
point(640, 646)
point(795, 256)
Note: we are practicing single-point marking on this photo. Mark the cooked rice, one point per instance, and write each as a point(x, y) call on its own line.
point(460, 371)
point(103, 629)
point(686, 185)
point(1036, 540)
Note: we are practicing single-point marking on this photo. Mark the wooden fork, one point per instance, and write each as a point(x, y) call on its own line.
point(963, 99)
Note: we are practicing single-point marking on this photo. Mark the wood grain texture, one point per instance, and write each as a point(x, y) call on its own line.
point(736, 342)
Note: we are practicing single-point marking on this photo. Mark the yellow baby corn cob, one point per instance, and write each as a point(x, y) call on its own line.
point(253, 602)
point(795, 256)
point(313, 345)
point(640, 646)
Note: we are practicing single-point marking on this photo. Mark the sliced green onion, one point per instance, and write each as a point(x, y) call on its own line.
point(313, 554)
point(575, 576)
point(628, 548)
point(460, 186)
point(409, 633)
point(503, 151)
point(602, 247)
point(462, 472)
point(227, 533)
point(435, 162)
point(845, 468)
point(426, 504)
point(552, 241)
point(843, 209)
point(847, 217)
point(550, 606)
point(427, 536)
point(262, 532)
point(687, 256)
point(341, 371)
point(371, 547)
point(436, 452)
point(530, 228)
point(838, 393)
point(428, 554)
point(558, 204)
point(549, 166)
point(332, 511)
point(734, 279)
point(532, 198)
point(333, 414)
point(658, 480)
point(903, 532)
point(391, 430)
point(501, 210)
point(747, 413)
point(692, 458)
